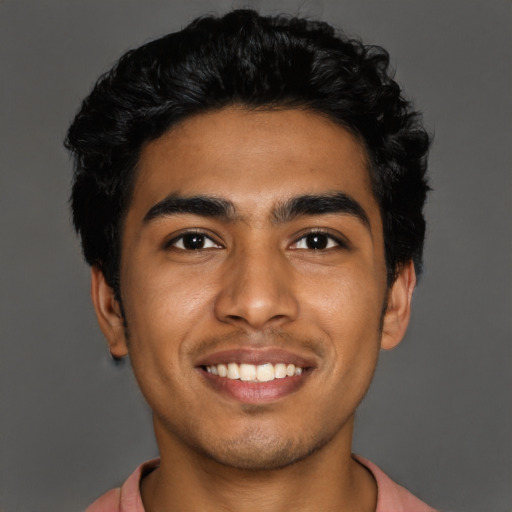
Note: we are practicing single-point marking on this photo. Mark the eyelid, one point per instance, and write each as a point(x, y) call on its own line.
point(340, 240)
point(171, 242)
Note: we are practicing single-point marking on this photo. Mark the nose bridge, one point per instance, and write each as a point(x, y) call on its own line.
point(257, 289)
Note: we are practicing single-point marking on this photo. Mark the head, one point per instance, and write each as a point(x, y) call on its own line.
point(250, 191)
point(258, 63)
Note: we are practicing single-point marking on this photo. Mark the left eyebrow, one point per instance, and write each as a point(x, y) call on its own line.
point(320, 204)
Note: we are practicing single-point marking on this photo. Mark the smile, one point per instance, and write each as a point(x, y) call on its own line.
point(256, 376)
point(254, 373)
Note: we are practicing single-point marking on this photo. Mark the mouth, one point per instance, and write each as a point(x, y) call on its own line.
point(266, 372)
point(252, 376)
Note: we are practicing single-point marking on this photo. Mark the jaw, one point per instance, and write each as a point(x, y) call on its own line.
point(253, 440)
point(255, 425)
point(195, 480)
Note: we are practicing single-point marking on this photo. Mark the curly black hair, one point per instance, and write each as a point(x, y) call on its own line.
point(255, 61)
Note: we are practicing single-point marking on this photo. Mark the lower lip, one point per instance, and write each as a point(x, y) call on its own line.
point(256, 392)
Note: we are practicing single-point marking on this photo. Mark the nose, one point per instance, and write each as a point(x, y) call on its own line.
point(257, 291)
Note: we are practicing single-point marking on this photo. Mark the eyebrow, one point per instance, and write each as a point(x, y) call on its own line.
point(300, 206)
point(203, 206)
point(320, 204)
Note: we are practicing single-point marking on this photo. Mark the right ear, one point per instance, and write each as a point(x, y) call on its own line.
point(108, 313)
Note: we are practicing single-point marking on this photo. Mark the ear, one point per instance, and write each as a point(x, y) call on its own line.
point(108, 313)
point(398, 312)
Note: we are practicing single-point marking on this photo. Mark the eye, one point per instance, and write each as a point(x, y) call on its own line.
point(317, 241)
point(193, 241)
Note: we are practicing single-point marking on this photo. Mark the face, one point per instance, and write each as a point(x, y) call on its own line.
point(253, 283)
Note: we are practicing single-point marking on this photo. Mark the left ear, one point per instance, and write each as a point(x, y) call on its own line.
point(398, 312)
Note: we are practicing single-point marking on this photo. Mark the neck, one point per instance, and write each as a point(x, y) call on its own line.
point(329, 480)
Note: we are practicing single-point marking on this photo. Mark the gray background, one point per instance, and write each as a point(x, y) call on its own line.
point(438, 416)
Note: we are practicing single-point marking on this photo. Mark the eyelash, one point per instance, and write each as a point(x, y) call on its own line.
point(173, 242)
point(338, 242)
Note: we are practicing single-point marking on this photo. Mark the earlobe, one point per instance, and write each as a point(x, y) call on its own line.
point(108, 313)
point(398, 312)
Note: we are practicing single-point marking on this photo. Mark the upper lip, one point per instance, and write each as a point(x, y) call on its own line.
point(256, 357)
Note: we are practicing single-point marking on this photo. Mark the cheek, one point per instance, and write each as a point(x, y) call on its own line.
point(164, 307)
point(347, 308)
point(346, 300)
point(165, 313)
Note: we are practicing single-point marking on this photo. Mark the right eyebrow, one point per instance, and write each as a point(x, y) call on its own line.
point(204, 206)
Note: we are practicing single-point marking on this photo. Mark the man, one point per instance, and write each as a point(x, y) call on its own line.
point(249, 194)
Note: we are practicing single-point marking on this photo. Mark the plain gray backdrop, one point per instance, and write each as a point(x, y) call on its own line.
point(438, 417)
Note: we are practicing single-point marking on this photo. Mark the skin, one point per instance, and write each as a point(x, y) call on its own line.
point(256, 285)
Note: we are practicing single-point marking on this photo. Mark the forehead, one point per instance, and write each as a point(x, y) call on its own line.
point(254, 158)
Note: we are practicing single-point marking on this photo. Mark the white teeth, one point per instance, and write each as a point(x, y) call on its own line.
point(252, 373)
point(265, 373)
point(247, 372)
point(223, 370)
point(280, 370)
point(233, 371)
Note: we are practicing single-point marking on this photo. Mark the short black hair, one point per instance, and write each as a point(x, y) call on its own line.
point(253, 61)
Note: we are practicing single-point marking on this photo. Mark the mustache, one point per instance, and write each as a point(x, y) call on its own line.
point(274, 338)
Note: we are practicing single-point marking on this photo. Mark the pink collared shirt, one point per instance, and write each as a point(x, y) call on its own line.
point(391, 497)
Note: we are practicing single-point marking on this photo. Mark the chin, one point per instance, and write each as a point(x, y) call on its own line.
point(259, 451)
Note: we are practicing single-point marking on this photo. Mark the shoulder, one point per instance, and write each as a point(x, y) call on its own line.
point(392, 497)
point(126, 498)
point(109, 502)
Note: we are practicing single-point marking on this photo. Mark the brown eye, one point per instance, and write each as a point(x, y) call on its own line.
point(317, 241)
point(193, 242)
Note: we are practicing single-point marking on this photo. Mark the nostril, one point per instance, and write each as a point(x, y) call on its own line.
point(236, 318)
